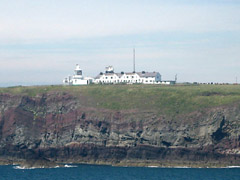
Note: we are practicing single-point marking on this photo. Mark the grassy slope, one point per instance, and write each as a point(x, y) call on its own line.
point(167, 99)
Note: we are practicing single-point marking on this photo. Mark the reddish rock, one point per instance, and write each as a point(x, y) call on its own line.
point(59, 127)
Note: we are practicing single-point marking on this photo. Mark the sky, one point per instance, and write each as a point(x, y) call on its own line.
point(42, 41)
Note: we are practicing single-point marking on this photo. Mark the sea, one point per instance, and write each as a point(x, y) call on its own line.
point(99, 172)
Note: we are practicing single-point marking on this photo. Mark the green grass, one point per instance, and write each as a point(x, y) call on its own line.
point(163, 99)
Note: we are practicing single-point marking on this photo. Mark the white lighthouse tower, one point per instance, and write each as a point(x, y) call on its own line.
point(77, 78)
point(78, 72)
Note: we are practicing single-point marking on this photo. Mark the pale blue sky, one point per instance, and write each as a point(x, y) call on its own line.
point(41, 41)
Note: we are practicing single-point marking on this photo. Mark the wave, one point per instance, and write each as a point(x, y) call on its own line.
point(23, 167)
point(153, 166)
point(232, 167)
point(168, 167)
point(69, 166)
point(179, 167)
point(40, 167)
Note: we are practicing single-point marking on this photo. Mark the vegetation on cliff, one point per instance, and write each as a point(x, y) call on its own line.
point(178, 99)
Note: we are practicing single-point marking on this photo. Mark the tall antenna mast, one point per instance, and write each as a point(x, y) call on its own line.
point(134, 60)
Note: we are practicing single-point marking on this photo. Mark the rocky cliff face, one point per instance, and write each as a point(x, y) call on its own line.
point(61, 127)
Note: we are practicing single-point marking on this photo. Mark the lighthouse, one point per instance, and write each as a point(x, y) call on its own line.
point(78, 72)
point(77, 78)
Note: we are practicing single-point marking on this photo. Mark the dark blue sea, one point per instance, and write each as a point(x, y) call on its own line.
point(95, 172)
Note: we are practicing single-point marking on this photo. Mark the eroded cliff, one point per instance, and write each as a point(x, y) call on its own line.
point(62, 126)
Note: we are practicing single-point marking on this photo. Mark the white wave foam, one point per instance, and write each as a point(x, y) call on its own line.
point(153, 166)
point(233, 167)
point(39, 167)
point(168, 167)
point(23, 167)
point(69, 166)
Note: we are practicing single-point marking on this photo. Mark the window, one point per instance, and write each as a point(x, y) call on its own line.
point(132, 76)
point(106, 78)
point(79, 73)
point(127, 76)
point(111, 77)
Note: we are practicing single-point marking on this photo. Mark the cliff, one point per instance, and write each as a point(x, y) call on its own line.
point(121, 125)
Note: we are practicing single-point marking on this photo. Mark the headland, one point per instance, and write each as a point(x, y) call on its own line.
point(122, 125)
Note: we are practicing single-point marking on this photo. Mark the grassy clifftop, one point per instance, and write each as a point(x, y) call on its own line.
point(163, 99)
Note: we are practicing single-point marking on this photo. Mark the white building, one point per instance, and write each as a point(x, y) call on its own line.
point(109, 77)
point(77, 78)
